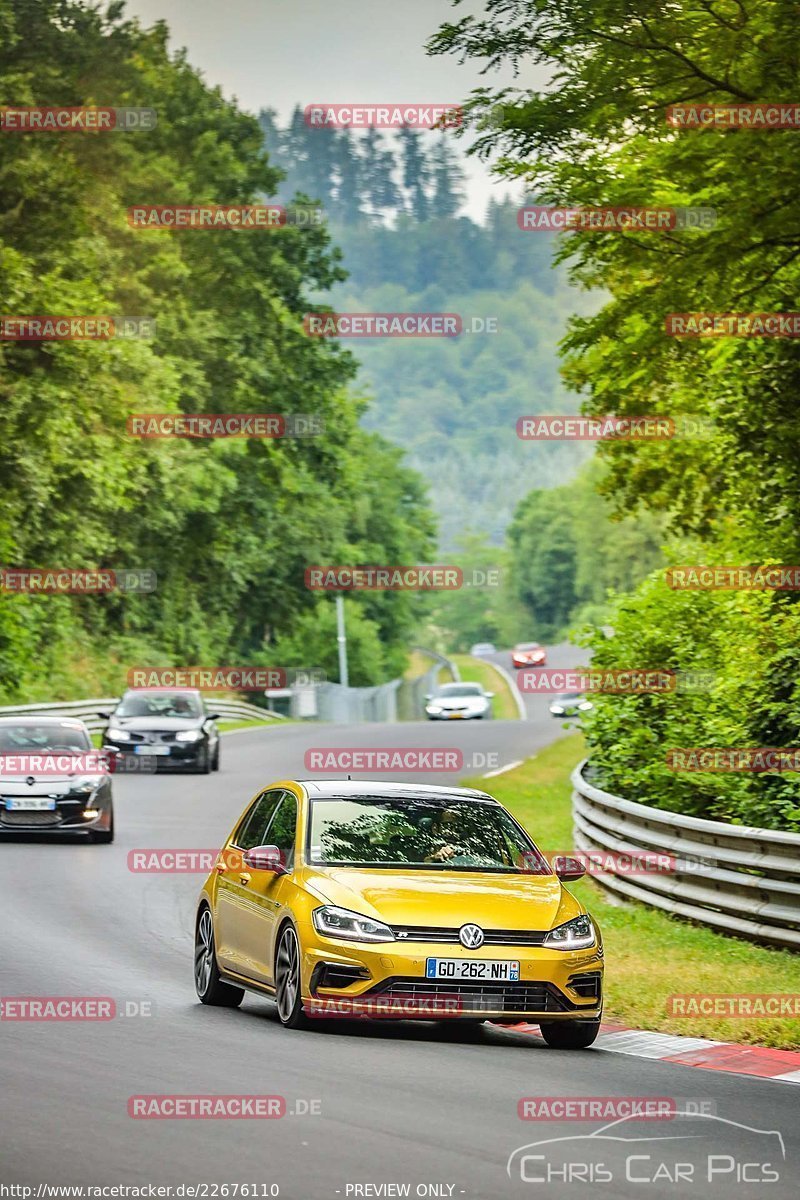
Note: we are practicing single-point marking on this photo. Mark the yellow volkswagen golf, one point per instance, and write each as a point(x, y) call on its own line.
point(390, 900)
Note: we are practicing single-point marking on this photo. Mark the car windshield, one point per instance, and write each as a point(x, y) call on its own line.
point(460, 689)
point(159, 704)
point(424, 834)
point(567, 696)
point(64, 737)
point(529, 646)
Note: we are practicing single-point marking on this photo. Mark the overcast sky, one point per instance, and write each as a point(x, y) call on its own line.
point(277, 53)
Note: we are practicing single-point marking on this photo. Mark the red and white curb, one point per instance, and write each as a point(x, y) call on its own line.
point(783, 1066)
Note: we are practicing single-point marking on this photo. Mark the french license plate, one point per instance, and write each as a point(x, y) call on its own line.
point(456, 716)
point(151, 749)
point(484, 970)
point(29, 803)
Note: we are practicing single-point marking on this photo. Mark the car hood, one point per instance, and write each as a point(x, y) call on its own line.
point(156, 724)
point(446, 899)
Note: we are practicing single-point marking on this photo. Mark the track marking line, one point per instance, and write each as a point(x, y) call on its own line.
point(501, 770)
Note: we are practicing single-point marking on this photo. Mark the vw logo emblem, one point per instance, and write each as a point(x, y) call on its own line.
point(471, 936)
point(30, 781)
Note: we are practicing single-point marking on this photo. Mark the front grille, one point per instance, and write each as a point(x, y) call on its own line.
point(492, 937)
point(23, 817)
point(150, 738)
point(528, 997)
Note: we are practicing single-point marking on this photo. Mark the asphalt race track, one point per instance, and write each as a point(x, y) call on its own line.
point(396, 1103)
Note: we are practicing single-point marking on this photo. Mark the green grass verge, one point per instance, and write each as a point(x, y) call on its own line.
point(649, 954)
point(476, 670)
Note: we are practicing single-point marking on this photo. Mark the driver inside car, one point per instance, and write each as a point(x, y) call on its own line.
point(444, 827)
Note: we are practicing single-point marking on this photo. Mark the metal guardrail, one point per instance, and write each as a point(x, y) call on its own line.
point(397, 700)
point(88, 711)
point(736, 878)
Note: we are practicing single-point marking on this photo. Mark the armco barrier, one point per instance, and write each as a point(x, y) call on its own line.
point(739, 879)
point(400, 699)
point(88, 711)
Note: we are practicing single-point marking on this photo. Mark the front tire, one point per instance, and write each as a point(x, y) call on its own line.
point(287, 981)
point(569, 1035)
point(204, 764)
point(208, 985)
point(215, 760)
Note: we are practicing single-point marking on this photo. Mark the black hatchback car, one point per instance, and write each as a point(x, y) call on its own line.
point(171, 728)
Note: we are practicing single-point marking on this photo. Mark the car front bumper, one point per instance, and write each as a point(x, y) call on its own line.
point(66, 819)
point(455, 716)
point(553, 984)
point(181, 755)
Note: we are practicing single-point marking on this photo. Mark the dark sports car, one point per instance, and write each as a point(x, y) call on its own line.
point(51, 779)
point(169, 728)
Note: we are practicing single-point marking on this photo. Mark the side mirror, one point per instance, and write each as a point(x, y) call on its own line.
point(104, 716)
point(265, 858)
point(428, 695)
point(488, 695)
point(567, 868)
point(213, 717)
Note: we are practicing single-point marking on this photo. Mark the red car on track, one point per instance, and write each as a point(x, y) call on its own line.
point(528, 654)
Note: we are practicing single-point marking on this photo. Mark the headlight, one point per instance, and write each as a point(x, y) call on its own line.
point(584, 704)
point(82, 789)
point(118, 735)
point(189, 735)
point(556, 708)
point(434, 708)
point(576, 934)
point(341, 923)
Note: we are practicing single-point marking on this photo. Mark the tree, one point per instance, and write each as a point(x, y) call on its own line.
point(448, 179)
point(416, 173)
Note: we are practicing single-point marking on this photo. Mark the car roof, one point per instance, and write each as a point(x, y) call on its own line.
point(159, 691)
point(44, 719)
point(343, 789)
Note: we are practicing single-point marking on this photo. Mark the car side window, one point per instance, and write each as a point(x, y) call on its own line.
point(253, 828)
point(283, 828)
